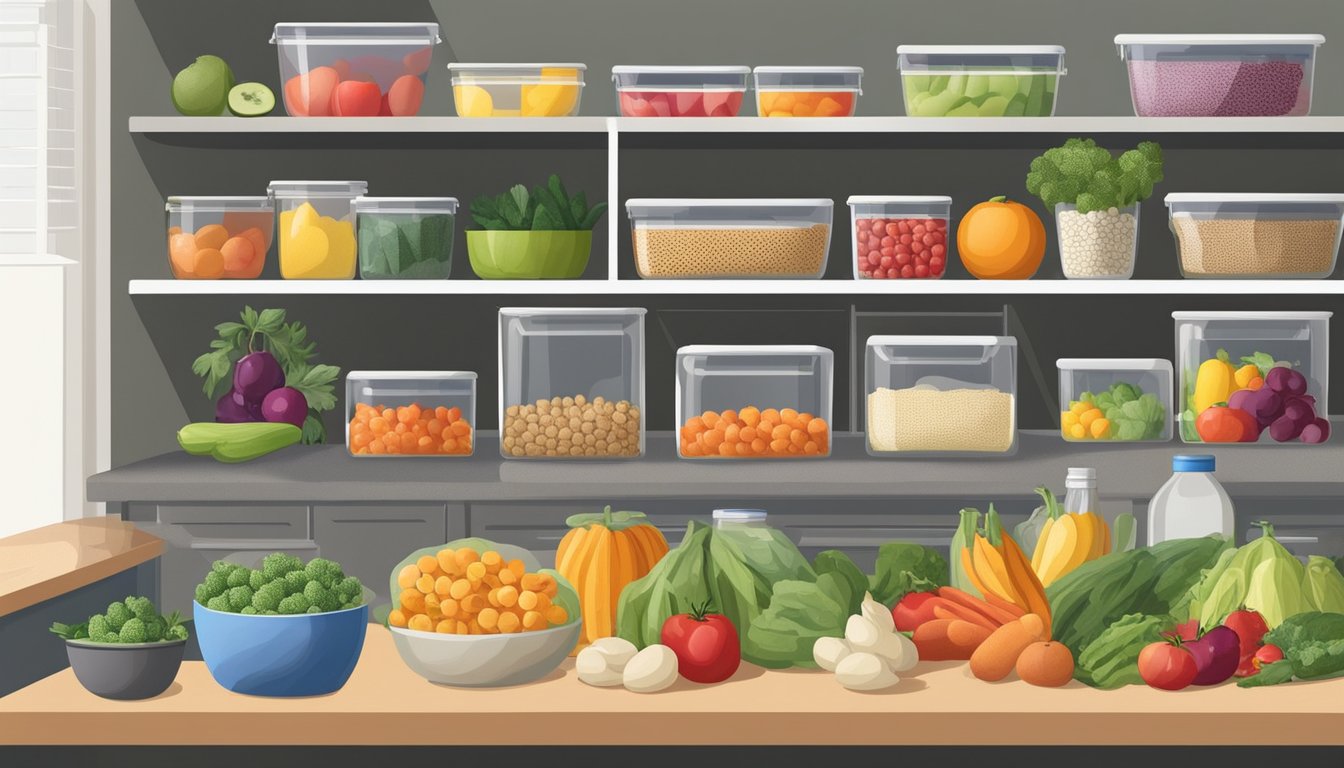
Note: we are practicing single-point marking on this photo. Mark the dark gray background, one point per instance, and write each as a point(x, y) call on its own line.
point(155, 338)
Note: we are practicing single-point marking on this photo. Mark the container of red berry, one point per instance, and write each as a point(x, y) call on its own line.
point(672, 91)
point(900, 237)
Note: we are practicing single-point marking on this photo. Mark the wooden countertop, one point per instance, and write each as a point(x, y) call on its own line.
point(939, 703)
point(50, 561)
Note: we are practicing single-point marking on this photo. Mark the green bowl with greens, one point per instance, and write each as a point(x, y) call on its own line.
point(506, 255)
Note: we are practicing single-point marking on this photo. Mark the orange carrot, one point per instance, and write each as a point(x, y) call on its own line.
point(945, 609)
point(948, 639)
point(997, 656)
point(996, 614)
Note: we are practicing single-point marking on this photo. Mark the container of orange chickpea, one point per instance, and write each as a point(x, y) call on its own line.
point(410, 413)
point(754, 402)
point(212, 238)
point(807, 91)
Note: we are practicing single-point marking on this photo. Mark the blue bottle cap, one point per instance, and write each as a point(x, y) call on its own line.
point(1192, 463)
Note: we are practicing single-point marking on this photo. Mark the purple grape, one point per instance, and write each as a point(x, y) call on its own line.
point(1265, 406)
point(1302, 413)
point(1317, 431)
point(1308, 399)
point(256, 374)
point(232, 408)
point(1297, 383)
point(285, 404)
point(1285, 428)
point(1241, 399)
point(1277, 378)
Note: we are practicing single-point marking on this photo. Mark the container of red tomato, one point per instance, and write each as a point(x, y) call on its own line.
point(354, 69)
point(673, 91)
point(900, 237)
point(807, 91)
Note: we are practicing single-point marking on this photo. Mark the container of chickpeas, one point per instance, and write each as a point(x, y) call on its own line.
point(410, 413)
point(571, 383)
point(754, 402)
point(474, 614)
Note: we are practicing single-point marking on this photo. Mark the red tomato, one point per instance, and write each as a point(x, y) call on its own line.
point(353, 98)
point(310, 94)
point(1224, 424)
point(706, 645)
point(1166, 665)
point(913, 609)
point(1268, 654)
point(1250, 627)
point(405, 95)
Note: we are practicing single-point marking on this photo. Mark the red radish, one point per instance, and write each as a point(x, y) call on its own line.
point(356, 99)
point(1268, 654)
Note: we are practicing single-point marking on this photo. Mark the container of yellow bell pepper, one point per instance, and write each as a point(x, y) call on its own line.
point(317, 228)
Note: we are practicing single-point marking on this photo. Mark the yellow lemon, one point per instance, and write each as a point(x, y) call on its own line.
point(473, 101)
point(303, 253)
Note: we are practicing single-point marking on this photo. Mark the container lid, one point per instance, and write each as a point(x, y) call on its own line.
point(932, 341)
point(354, 33)
point(220, 203)
point(1221, 39)
point(542, 311)
point(1192, 463)
point(808, 70)
point(318, 188)
point(974, 50)
point(740, 514)
point(405, 204)
point(635, 69)
point(1080, 476)
point(755, 349)
point(878, 199)
point(426, 375)
point(726, 202)
point(1251, 197)
point(1221, 315)
point(1112, 364)
point(492, 66)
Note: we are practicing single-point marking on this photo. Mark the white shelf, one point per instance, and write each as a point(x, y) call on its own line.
point(734, 287)
point(250, 125)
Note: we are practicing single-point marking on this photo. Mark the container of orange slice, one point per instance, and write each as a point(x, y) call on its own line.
point(517, 90)
point(212, 238)
point(410, 413)
point(807, 91)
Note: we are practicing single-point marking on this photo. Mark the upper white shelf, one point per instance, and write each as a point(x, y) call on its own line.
point(246, 125)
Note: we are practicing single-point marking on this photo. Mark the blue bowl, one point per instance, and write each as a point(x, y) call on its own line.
point(305, 655)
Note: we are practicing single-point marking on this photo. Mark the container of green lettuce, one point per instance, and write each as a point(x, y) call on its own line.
point(405, 238)
point(541, 234)
point(980, 80)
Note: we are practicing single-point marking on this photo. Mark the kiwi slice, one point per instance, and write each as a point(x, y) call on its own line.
point(251, 100)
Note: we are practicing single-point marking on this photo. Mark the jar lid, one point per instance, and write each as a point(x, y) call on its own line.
point(740, 515)
point(1080, 476)
point(1192, 463)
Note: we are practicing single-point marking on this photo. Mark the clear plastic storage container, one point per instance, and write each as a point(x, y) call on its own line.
point(571, 383)
point(1118, 400)
point(1219, 75)
point(730, 238)
point(900, 236)
point(332, 69)
point(1234, 234)
point(807, 91)
point(754, 402)
point(941, 395)
point(405, 238)
point(1097, 245)
point(1253, 376)
point(317, 228)
point(980, 80)
point(219, 237)
point(437, 409)
point(671, 91)
point(517, 90)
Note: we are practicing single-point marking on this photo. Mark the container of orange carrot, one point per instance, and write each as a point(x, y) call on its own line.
point(807, 91)
point(212, 238)
point(410, 413)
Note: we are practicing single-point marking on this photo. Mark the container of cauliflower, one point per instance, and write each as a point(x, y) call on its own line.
point(129, 652)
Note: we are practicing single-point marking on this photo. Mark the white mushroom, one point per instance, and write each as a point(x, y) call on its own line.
point(651, 670)
point(828, 651)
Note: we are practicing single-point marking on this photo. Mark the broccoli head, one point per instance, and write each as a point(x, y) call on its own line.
point(313, 609)
point(323, 571)
point(219, 603)
point(142, 608)
point(269, 596)
point(154, 629)
point(256, 580)
point(239, 597)
point(239, 577)
point(98, 628)
point(133, 631)
point(350, 590)
point(177, 632)
point(1086, 175)
point(117, 615)
point(202, 594)
point(248, 611)
point(216, 583)
point(277, 564)
point(222, 567)
point(293, 604)
point(320, 597)
point(295, 581)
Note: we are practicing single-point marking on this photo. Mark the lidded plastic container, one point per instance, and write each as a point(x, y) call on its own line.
point(754, 402)
point(1250, 235)
point(807, 91)
point(315, 58)
point(892, 232)
point(1272, 367)
point(980, 80)
point(1219, 75)
point(1115, 399)
point(941, 395)
point(219, 237)
point(317, 228)
point(730, 238)
point(517, 90)
point(676, 91)
point(438, 408)
point(405, 238)
point(571, 382)
point(1191, 504)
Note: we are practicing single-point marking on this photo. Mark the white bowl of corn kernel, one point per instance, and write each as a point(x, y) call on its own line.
point(472, 613)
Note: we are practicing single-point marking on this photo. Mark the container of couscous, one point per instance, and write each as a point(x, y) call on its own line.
point(948, 396)
point(730, 238)
point(1240, 235)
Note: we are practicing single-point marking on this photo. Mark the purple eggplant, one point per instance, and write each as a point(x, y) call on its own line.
point(1217, 654)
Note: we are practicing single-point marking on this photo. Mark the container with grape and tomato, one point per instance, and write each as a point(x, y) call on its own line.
point(219, 237)
point(980, 80)
point(410, 413)
point(571, 382)
point(405, 238)
point(317, 228)
point(354, 69)
point(941, 396)
point(807, 91)
point(517, 90)
point(754, 402)
point(671, 91)
point(1115, 399)
point(900, 236)
point(1249, 377)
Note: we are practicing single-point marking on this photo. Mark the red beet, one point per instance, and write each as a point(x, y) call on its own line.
point(285, 404)
point(1217, 654)
point(256, 374)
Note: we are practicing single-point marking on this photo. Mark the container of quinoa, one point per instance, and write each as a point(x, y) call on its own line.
point(1097, 245)
point(1241, 235)
point(1219, 75)
point(730, 238)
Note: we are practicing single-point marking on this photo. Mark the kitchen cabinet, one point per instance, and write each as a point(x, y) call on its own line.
point(365, 539)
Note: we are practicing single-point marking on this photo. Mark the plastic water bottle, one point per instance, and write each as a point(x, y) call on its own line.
point(1191, 504)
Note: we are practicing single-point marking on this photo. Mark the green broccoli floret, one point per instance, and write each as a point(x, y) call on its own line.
point(177, 632)
point(323, 571)
point(350, 590)
point(270, 613)
point(143, 609)
point(133, 631)
point(117, 615)
point(313, 609)
point(239, 597)
point(277, 564)
point(222, 567)
point(220, 603)
point(293, 604)
point(98, 628)
point(295, 581)
point(154, 629)
point(320, 597)
point(256, 580)
point(269, 596)
point(240, 577)
point(248, 611)
point(202, 594)
point(216, 583)
point(1086, 175)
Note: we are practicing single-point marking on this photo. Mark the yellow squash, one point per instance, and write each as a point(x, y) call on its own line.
point(1067, 540)
point(600, 555)
point(1215, 382)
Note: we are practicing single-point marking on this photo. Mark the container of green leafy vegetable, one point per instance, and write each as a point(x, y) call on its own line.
point(405, 238)
point(1115, 399)
point(527, 235)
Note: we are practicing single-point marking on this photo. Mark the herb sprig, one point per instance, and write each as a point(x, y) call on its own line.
point(545, 208)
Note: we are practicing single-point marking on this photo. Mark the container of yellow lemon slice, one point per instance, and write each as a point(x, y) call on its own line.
point(517, 90)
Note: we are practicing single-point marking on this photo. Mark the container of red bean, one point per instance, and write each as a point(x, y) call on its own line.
point(1219, 75)
point(900, 237)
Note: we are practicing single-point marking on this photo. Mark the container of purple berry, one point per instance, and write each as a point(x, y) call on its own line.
point(1219, 75)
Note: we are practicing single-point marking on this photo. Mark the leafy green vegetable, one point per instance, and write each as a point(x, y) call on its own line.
point(1313, 648)
point(672, 586)
point(133, 620)
point(1324, 585)
point(1133, 414)
point(1262, 576)
point(1112, 659)
point(833, 561)
point(545, 208)
point(405, 245)
point(903, 567)
point(1083, 174)
point(799, 613)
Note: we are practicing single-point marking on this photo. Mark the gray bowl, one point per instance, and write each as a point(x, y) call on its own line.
point(485, 661)
point(132, 671)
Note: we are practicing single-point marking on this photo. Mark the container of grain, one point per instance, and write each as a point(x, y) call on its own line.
point(730, 238)
point(941, 396)
point(1233, 235)
point(571, 383)
point(1097, 245)
point(754, 402)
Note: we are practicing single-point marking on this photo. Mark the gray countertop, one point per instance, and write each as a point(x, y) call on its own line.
point(329, 474)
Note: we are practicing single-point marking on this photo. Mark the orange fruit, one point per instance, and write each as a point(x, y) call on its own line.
point(259, 240)
point(182, 254)
point(211, 236)
point(238, 257)
point(1001, 240)
point(209, 263)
